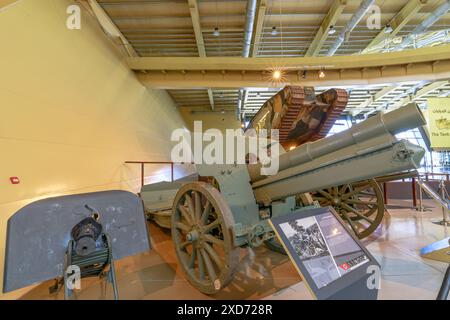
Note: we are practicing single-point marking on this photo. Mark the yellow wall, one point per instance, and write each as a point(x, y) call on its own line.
point(210, 120)
point(71, 111)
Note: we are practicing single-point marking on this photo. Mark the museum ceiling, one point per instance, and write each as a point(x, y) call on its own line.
point(281, 28)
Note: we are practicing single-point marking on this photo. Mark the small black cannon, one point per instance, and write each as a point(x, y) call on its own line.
point(57, 237)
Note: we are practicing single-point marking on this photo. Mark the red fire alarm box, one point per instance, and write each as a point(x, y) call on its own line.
point(14, 180)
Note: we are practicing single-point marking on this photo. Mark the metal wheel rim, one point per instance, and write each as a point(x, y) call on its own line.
point(202, 238)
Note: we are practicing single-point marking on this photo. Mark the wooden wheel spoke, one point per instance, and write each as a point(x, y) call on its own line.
point(214, 240)
point(350, 222)
point(353, 192)
point(369, 220)
point(184, 244)
point(209, 267)
point(201, 267)
point(182, 226)
point(326, 194)
point(191, 264)
point(335, 191)
point(185, 214)
point(190, 204)
point(211, 226)
point(346, 206)
point(343, 188)
point(213, 254)
point(206, 212)
point(198, 206)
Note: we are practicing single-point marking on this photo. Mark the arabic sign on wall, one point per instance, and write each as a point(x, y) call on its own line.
point(439, 122)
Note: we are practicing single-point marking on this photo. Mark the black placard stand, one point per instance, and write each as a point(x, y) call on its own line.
point(333, 263)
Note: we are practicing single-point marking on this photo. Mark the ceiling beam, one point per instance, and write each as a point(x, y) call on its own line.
point(374, 98)
point(195, 17)
point(109, 26)
point(259, 24)
point(426, 64)
point(330, 20)
point(399, 21)
point(260, 79)
point(420, 93)
point(406, 58)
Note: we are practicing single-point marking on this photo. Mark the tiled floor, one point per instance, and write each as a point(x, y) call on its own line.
point(264, 274)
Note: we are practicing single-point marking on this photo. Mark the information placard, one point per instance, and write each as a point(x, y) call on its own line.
point(439, 123)
point(332, 261)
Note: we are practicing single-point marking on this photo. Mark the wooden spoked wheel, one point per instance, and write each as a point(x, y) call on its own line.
point(201, 222)
point(361, 205)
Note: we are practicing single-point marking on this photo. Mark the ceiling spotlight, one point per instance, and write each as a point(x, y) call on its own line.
point(216, 32)
point(388, 29)
point(242, 125)
point(274, 31)
point(321, 74)
point(332, 30)
point(276, 75)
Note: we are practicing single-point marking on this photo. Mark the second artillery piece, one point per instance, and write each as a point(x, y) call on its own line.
point(209, 224)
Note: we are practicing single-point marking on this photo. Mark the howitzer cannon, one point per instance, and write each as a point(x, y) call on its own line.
point(303, 116)
point(209, 224)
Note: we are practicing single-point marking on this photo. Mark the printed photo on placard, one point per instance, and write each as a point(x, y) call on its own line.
point(325, 248)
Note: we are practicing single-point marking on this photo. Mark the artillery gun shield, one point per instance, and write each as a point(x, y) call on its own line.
point(39, 233)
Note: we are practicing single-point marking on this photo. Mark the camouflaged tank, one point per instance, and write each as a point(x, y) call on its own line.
point(300, 115)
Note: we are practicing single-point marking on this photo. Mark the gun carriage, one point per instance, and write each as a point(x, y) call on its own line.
point(209, 224)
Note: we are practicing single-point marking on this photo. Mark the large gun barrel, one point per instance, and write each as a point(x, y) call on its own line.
point(366, 150)
point(391, 123)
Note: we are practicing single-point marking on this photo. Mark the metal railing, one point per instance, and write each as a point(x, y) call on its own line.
point(441, 198)
point(143, 163)
point(426, 176)
point(432, 176)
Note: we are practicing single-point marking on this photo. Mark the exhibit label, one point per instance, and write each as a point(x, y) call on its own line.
point(439, 122)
